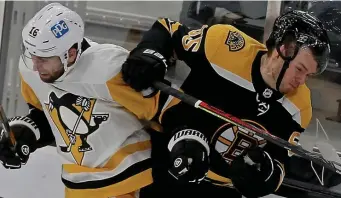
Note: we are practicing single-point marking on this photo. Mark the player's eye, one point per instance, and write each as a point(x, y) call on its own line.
point(299, 69)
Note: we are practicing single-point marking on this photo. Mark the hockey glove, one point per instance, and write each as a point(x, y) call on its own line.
point(256, 174)
point(142, 68)
point(189, 153)
point(24, 131)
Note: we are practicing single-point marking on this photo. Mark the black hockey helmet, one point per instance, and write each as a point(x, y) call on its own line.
point(306, 31)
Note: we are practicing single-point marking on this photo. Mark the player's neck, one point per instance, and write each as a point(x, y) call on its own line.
point(267, 72)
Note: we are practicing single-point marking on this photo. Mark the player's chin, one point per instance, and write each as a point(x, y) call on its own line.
point(288, 89)
point(46, 78)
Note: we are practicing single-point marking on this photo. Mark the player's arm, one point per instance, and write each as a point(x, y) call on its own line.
point(35, 121)
point(173, 39)
point(121, 93)
point(31, 132)
point(281, 158)
point(303, 118)
point(142, 108)
point(165, 40)
point(188, 141)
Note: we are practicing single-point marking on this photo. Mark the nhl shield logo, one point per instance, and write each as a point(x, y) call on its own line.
point(235, 41)
point(267, 93)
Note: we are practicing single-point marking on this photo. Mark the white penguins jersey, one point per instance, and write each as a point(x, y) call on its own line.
point(96, 120)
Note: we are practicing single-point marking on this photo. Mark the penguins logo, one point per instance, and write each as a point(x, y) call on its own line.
point(235, 41)
point(73, 116)
point(230, 140)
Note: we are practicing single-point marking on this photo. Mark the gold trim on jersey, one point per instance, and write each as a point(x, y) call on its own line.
point(143, 108)
point(233, 65)
point(219, 180)
point(171, 26)
point(238, 62)
point(282, 176)
point(228, 75)
point(131, 161)
point(171, 101)
point(298, 104)
point(127, 186)
point(236, 66)
point(29, 95)
point(193, 38)
point(294, 139)
point(156, 126)
point(114, 161)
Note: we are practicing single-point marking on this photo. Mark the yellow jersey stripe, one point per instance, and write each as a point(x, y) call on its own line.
point(114, 161)
point(124, 187)
point(143, 108)
point(219, 178)
point(29, 95)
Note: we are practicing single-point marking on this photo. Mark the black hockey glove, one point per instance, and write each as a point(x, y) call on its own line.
point(256, 174)
point(143, 67)
point(189, 153)
point(23, 130)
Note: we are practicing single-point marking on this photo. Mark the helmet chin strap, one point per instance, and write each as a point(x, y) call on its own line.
point(64, 58)
point(281, 74)
point(285, 65)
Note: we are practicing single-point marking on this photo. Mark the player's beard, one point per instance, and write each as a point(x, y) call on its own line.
point(52, 77)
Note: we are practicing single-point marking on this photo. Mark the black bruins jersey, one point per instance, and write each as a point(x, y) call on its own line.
point(225, 72)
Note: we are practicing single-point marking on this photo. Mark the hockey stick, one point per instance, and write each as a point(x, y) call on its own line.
point(79, 102)
point(6, 131)
point(307, 187)
point(333, 166)
point(68, 148)
point(317, 150)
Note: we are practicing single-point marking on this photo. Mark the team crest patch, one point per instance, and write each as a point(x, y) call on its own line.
point(231, 141)
point(235, 41)
point(74, 117)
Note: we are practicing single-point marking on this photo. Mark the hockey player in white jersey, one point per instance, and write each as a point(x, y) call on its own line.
point(78, 99)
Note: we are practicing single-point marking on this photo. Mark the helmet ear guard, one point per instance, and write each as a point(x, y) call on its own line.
point(290, 46)
point(320, 50)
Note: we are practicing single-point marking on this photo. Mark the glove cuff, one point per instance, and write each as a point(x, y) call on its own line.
point(154, 54)
point(26, 122)
point(189, 134)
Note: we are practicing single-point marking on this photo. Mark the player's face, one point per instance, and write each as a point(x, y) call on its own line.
point(303, 66)
point(49, 69)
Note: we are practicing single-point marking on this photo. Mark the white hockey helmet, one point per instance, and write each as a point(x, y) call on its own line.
point(52, 32)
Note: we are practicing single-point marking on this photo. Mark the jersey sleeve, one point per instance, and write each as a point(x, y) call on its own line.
point(299, 105)
point(171, 37)
point(29, 95)
point(301, 109)
point(221, 45)
point(142, 108)
point(306, 115)
point(36, 113)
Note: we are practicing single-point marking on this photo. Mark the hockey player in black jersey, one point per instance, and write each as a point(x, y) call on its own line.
point(262, 84)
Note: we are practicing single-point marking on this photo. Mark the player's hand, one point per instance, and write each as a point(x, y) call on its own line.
point(14, 159)
point(256, 174)
point(142, 68)
point(189, 153)
point(71, 136)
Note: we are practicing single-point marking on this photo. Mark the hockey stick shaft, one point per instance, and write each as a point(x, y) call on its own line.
point(250, 128)
point(9, 136)
point(307, 187)
point(68, 149)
